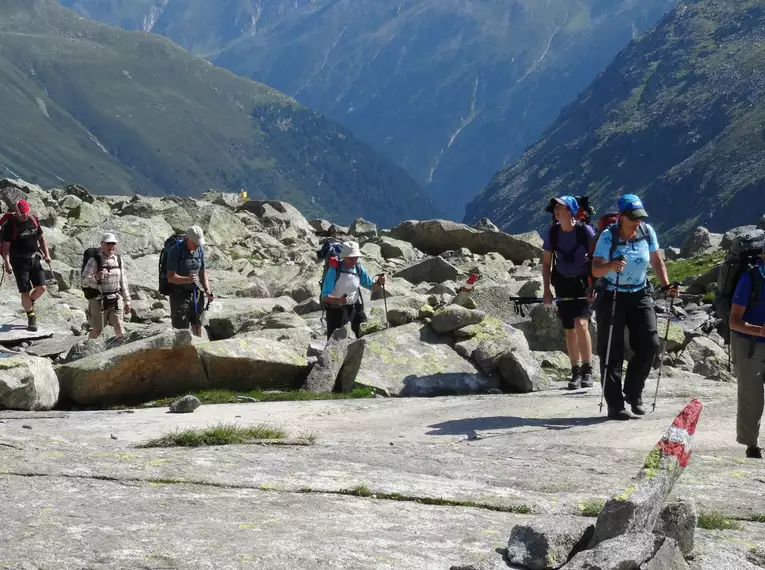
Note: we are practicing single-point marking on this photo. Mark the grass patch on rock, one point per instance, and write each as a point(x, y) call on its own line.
point(591, 507)
point(681, 269)
point(232, 397)
point(221, 434)
point(718, 521)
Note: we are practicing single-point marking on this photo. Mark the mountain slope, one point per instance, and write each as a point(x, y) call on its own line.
point(678, 117)
point(451, 90)
point(125, 112)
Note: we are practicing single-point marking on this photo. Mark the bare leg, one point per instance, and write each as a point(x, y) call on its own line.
point(572, 346)
point(583, 339)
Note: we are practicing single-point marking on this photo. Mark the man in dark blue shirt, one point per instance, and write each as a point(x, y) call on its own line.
point(747, 342)
point(185, 272)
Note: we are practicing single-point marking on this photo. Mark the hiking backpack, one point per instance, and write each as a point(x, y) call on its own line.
point(175, 240)
point(581, 241)
point(90, 292)
point(743, 256)
point(10, 218)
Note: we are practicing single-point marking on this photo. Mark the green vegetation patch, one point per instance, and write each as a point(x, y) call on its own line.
point(718, 521)
point(221, 434)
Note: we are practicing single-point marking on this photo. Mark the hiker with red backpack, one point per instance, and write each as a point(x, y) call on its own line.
point(566, 267)
point(341, 289)
point(22, 243)
point(621, 259)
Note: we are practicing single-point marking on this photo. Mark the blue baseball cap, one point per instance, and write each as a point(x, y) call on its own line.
point(568, 201)
point(632, 206)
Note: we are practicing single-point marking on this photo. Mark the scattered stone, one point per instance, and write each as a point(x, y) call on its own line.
point(531, 288)
point(396, 249)
point(546, 543)
point(247, 399)
point(668, 557)
point(521, 373)
point(678, 521)
point(432, 270)
point(637, 507)
point(700, 241)
point(402, 316)
point(708, 358)
point(185, 405)
point(27, 383)
point(452, 317)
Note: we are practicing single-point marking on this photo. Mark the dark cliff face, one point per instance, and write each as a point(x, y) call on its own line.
point(678, 118)
point(449, 90)
point(129, 112)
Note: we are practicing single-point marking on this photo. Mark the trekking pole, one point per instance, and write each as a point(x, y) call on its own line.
point(103, 309)
point(385, 303)
point(661, 356)
point(196, 312)
point(610, 338)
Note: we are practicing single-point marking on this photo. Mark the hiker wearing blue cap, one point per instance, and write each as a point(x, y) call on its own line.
point(566, 267)
point(622, 256)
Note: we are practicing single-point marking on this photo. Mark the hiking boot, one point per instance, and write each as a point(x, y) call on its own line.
point(637, 407)
point(620, 415)
point(754, 452)
point(576, 378)
point(31, 321)
point(587, 381)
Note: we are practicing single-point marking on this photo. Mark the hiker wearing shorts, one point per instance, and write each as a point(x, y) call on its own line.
point(622, 256)
point(747, 341)
point(22, 240)
point(113, 300)
point(341, 291)
point(566, 268)
point(185, 273)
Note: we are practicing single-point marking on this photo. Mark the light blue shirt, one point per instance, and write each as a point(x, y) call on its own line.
point(638, 257)
point(332, 274)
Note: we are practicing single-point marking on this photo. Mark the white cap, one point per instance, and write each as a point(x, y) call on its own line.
point(108, 238)
point(195, 234)
point(350, 249)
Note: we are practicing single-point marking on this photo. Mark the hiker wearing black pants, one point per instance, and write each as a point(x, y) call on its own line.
point(341, 292)
point(622, 256)
point(565, 267)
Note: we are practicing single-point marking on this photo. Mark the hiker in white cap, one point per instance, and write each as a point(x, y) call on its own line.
point(106, 286)
point(341, 292)
point(186, 273)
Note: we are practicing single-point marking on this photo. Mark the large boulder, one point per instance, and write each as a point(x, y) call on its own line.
point(544, 543)
point(162, 365)
point(432, 270)
point(545, 331)
point(709, 358)
point(361, 228)
point(412, 360)
point(396, 248)
point(27, 383)
point(280, 219)
point(700, 241)
point(678, 520)
point(437, 236)
point(633, 551)
point(252, 362)
point(730, 236)
point(221, 226)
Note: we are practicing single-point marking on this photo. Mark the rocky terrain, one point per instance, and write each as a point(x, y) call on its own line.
point(469, 479)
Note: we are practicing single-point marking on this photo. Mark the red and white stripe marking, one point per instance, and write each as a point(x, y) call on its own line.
point(678, 441)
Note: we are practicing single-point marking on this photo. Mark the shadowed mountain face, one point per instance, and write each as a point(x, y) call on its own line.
point(125, 112)
point(677, 117)
point(450, 90)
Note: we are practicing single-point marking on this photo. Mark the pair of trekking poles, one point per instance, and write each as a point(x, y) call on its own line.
point(611, 336)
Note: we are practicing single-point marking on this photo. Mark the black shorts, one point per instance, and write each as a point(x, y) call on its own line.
point(569, 311)
point(182, 313)
point(338, 317)
point(28, 272)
